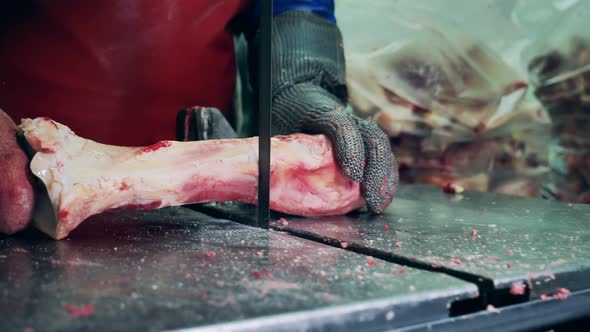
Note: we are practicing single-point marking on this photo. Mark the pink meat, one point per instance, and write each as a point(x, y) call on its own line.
point(85, 178)
point(16, 191)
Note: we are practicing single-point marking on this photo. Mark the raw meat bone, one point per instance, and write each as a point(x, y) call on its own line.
point(84, 178)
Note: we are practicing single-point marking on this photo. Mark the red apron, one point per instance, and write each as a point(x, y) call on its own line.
point(118, 71)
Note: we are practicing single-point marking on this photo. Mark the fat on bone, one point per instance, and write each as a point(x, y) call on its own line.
point(84, 178)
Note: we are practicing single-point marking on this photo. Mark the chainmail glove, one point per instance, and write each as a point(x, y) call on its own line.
point(309, 96)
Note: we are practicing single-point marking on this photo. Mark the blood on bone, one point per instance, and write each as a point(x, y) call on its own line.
point(155, 147)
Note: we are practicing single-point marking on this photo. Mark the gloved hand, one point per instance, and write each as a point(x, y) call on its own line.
point(16, 190)
point(309, 96)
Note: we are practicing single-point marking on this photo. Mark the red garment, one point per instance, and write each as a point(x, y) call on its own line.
point(118, 71)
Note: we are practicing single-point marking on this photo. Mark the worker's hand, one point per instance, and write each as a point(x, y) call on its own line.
point(309, 96)
point(16, 190)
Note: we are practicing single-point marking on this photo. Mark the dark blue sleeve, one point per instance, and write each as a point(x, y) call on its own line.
point(324, 8)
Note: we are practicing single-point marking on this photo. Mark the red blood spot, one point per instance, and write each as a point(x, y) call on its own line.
point(264, 269)
point(124, 186)
point(370, 262)
point(211, 254)
point(495, 258)
point(456, 261)
point(402, 271)
point(63, 214)
point(80, 312)
point(256, 274)
point(204, 294)
point(398, 244)
point(268, 275)
point(154, 147)
point(344, 245)
point(386, 227)
point(284, 222)
point(517, 288)
point(508, 265)
point(38, 144)
point(53, 262)
point(473, 232)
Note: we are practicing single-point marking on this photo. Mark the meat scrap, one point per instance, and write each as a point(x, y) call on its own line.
point(517, 288)
point(562, 294)
point(85, 178)
point(80, 311)
point(491, 308)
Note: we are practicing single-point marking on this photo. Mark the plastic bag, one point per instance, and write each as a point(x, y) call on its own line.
point(451, 104)
point(558, 63)
point(434, 83)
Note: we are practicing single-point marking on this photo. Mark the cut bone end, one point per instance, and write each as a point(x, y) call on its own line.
point(81, 178)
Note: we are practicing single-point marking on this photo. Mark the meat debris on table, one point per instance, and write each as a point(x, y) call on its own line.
point(84, 178)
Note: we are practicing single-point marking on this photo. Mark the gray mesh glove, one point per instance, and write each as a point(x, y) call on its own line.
point(309, 96)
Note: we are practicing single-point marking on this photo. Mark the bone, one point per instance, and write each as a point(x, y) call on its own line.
point(84, 178)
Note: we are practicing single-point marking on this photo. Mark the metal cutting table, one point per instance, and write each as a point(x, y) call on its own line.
point(416, 267)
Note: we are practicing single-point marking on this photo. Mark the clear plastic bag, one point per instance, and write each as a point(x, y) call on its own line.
point(558, 63)
point(435, 83)
point(450, 100)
